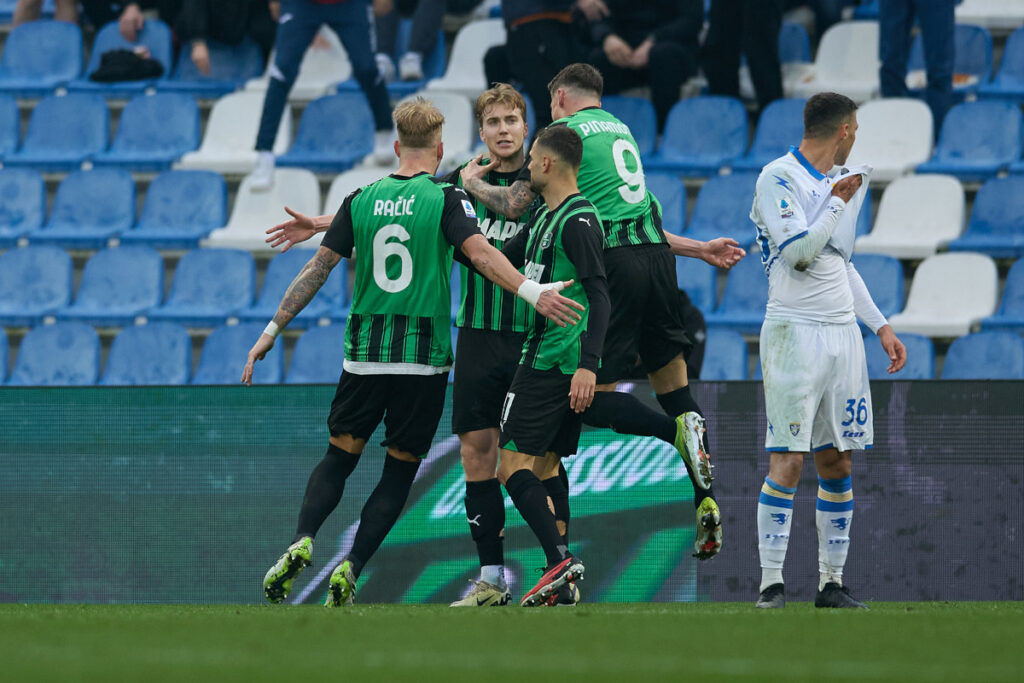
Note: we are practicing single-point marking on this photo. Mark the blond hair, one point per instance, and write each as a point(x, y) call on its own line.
point(501, 93)
point(419, 123)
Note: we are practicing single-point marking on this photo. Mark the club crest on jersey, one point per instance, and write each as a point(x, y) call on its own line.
point(794, 428)
point(545, 241)
point(785, 210)
point(467, 206)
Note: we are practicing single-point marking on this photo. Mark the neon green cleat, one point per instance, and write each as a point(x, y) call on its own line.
point(690, 444)
point(278, 581)
point(341, 590)
point(709, 530)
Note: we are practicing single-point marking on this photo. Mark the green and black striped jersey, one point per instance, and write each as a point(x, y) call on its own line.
point(403, 230)
point(484, 305)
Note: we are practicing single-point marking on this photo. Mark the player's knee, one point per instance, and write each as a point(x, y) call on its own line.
point(478, 465)
point(785, 468)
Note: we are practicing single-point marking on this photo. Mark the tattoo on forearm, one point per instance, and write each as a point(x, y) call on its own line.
point(305, 285)
point(508, 201)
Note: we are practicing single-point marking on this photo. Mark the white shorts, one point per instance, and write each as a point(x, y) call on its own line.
point(816, 390)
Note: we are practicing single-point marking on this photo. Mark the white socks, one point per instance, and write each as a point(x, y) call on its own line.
point(774, 519)
point(833, 517)
point(493, 574)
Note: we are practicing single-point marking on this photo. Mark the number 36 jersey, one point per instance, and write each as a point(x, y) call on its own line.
point(403, 230)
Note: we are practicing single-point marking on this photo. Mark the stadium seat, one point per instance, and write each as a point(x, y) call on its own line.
point(433, 64)
point(39, 56)
point(638, 114)
point(846, 62)
point(985, 355)
point(118, 285)
point(210, 286)
point(324, 146)
point(671, 194)
point(723, 209)
point(972, 65)
point(1010, 315)
point(918, 215)
point(91, 208)
point(894, 136)
point(282, 270)
point(10, 125)
point(254, 212)
point(465, 72)
point(700, 282)
point(920, 358)
point(64, 131)
point(701, 135)
point(883, 276)
point(318, 356)
point(231, 66)
point(460, 129)
point(224, 355)
point(996, 225)
point(867, 9)
point(181, 208)
point(794, 58)
point(3, 355)
point(228, 145)
point(154, 36)
point(323, 66)
point(978, 139)
point(154, 354)
point(34, 283)
point(63, 354)
point(346, 183)
point(781, 125)
point(939, 305)
point(22, 204)
point(996, 15)
point(154, 130)
point(744, 300)
point(1009, 80)
point(725, 356)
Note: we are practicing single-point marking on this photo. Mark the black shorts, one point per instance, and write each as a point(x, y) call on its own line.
point(536, 418)
point(485, 363)
point(411, 406)
point(646, 321)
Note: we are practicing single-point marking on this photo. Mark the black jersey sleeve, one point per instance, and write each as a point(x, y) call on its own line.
point(340, 237)
point(453, 177)
point(458, 220)
point(584, 245)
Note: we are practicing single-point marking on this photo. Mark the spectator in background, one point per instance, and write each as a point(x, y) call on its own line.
point(936, 18)
point(826, 13)
point(224, 21)
point(30, 10)
point(653, 43)
point(129, 15)
point(750, 27)
point(427, 16)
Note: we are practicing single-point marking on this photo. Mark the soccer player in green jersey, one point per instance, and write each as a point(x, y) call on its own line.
point(645, 322)
point(397, 341)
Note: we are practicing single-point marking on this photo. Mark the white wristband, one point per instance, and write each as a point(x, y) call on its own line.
point(530, 291)
point(272, 329)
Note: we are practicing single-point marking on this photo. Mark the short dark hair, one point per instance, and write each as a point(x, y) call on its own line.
point(825, 112)
point(578, 76)
point(563, 142)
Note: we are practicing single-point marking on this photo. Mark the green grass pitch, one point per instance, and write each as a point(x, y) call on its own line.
point(961, 642)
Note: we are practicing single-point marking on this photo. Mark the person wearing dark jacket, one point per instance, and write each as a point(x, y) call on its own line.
point(750, 27)
point(224, 21)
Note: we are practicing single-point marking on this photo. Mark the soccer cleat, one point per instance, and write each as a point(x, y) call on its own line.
point(709, 530)
point(341, 589)
point(485, 594)
point(278, 581)
point(690, 444)
point(772, 597)
point(834, 595)
point(566, 596)
point(569, 569)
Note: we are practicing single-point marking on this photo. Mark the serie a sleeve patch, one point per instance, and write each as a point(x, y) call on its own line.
point(467, 206)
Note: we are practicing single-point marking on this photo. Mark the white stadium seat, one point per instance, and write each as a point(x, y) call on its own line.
point(950, 294)
point(918, 215)
point(465, 73)
point(460, 131)
point(346, 182)
point(847, 63)
point(322, 68)
point(1000, 15)
point(895, 135)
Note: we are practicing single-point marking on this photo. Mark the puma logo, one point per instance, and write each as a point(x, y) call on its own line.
point(587, 221)
point(475, 520)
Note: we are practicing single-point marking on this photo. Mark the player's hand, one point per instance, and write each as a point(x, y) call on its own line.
point(617, 50)
point(131, 22)
point(299, 229)
point(555, 307)
point(723, 252)
point(847, 187)
point(257, 352)
point(201, 57)
point(893, 347)
point(593, 10)
point(476, 170)
point(581, 389)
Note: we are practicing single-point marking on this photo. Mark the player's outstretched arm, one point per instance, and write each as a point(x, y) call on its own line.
point(511, 201)
point(893, 347)
point(298, 229)
point(721, 252)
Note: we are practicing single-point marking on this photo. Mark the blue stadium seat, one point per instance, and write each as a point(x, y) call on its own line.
point(883, 276)
point(63, 132)
point(154, 354)
point(318, 356)
point(671, 194)
point(867, 9)
point(155, 36)
point(434, 65)
point(91, 208)
point(781, 125)
point(1008, 83)
point(725, 356)
point(230, 67)
point(117, 286)
point(34, 283)
point(978, 139)
point(702, 134)
point(864, 217)
point(22, 204)
point(985, 355)
point(723, 209)
point(638, 114)
point(3, 355)
point(282, 270)
point(972, 56)
point(744, 300)
point(64, 354)
point(794, 43)
point(1010, 315)
point(10, 125)
point(322, 145)
point(225, 352)
point(153, 132)
point(210, 285)
point(920, 358)
point(181, 208)
point(700, 282)
point(996, 226)
point(39, 56)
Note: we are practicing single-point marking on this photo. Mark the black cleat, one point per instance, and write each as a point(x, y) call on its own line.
point(834, 595)
point(772, 597)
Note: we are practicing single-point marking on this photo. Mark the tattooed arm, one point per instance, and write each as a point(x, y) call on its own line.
point(511, 201)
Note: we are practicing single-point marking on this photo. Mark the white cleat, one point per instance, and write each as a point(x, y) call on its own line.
point(485, 594)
